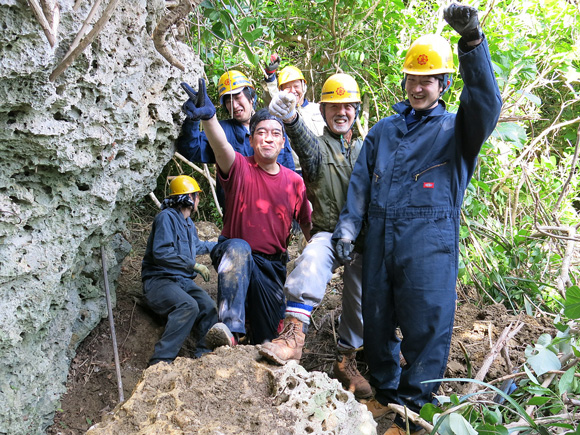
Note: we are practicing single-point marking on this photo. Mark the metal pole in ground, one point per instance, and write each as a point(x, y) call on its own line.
point(112, 324)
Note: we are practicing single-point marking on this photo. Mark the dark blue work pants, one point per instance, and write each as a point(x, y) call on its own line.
point(186, 306)
point(250, 289)
point(409, 275)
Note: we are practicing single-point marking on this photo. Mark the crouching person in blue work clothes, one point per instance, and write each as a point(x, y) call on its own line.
point(168, 270)
point(408, 183)
point(262, 199)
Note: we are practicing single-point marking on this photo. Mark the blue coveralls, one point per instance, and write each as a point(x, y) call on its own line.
point(410, 185)
point(167, 274)
point(194, 146)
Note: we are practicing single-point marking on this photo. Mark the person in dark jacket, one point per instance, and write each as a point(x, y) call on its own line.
point(238, 96)
point(169, 268)
point(408, 185)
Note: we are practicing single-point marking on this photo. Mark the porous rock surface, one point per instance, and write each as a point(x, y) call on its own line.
point(233, 391)
point(76, 154)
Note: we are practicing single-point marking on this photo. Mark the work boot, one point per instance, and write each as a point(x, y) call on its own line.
point(345, 371)
point(376, 408)
point(396, 430)
point(288, 346)
point(219, 335)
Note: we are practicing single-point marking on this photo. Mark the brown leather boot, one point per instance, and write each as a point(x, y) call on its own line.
point(345, 371)
point(288, 346)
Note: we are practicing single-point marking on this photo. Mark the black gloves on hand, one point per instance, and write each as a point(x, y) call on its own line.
point(198, 106)
point(464, 20)
point(273, 65)
point(343, 249)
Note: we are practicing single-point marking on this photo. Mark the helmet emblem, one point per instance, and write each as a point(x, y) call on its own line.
point(422, 59)
point(340, 91)
point(227, 82)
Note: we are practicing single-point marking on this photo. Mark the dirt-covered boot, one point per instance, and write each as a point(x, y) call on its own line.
point(346, 372)
point(288, 346)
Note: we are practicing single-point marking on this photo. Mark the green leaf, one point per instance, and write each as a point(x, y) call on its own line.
point(572, 303)
point(537, 389)
point(257, 33)
point(491, 417)
point(533, 98)
point(511, 132)
point(484, 186)
point(543, 430)
point(539, 400)
point(248, 37)
point(566, 383)
point(454, 399)
point(489, 429)
point(428, 411)
point(540, 358)
point(454, 424)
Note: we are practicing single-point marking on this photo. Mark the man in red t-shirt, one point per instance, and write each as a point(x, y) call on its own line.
point(262, 199)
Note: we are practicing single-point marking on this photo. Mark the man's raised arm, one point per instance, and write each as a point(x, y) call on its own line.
point(199, 106)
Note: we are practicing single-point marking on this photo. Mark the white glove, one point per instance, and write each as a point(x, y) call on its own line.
point(283, 105)
point(202, 270)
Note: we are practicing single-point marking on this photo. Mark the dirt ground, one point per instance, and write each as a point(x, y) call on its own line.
point(92, 389)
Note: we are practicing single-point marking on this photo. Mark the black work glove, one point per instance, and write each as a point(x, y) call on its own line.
point(273, 65)
point(343, 249)
point(198, 106)
point(464, 20)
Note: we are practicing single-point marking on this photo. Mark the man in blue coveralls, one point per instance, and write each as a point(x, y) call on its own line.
point(238, 97)
point(409, 183)
point(168, 270)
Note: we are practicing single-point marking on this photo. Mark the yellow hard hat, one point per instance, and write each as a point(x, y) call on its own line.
point(183, 184)
point(340, 88)
point(429, 55)
point(289, 74)
point(232, 82)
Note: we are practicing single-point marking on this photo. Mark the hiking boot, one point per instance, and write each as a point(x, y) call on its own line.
point(344, 369)
point(288, 346)
point(377, 409)
point(219, 335)
point(396, 430)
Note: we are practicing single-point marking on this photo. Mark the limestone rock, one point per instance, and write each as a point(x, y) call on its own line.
point(76, 155)
point(233, 391)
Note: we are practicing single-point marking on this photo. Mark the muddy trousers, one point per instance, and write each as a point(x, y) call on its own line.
point(186, 306)
point(409, 275)
point(250, 289)
point(306, 286)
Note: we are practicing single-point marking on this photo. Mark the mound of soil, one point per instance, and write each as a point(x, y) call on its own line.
point(92, 388)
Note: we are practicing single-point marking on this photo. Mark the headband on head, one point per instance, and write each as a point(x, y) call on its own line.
point(263, 115)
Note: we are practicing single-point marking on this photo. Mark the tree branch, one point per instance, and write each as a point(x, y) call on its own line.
point(68, 60)
point(177, 14)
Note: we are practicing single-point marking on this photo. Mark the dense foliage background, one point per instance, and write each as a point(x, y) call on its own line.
point(519, 240)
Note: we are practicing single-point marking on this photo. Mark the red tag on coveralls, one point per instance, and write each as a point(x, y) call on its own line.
point(428, 185)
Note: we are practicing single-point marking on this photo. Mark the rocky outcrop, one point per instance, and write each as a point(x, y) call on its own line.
point(233, 392)
point(76, 154)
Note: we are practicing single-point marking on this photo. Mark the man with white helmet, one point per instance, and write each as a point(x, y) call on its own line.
point(327, 161)
point(238, 96)
point(168, 270)
point(408, 187)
